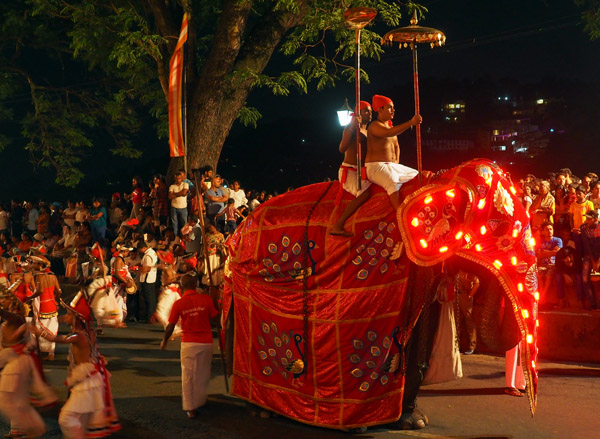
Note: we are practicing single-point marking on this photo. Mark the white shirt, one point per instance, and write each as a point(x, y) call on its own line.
point(253, 204)
point(3, 220)
point(239, 198)
point(81, 215)
point(115, 215)
point(149, 260)
point(68, 212)
point(32, 217)
point(179, 202)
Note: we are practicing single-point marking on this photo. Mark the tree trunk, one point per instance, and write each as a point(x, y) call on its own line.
point(218, 94)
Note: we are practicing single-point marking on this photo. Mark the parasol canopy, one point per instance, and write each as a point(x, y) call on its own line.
point(358, 18)
point(414, 34)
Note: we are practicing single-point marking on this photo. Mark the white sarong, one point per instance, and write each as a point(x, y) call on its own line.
point(348, 180)
point(388, 175)
point(196, 360)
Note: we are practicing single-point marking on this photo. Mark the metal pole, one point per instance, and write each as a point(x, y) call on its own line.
point(357, 113)
point(413, 47)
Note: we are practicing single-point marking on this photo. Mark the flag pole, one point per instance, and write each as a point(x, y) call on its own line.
point(185, 113)
point(356, 19)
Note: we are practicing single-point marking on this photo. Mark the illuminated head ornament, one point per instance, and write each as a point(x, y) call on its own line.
point(40, 260)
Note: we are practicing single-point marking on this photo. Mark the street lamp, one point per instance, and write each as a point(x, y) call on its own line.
point(345, 114)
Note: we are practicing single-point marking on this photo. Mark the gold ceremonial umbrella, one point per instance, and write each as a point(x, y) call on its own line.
point(410, 36)
point(357, 19)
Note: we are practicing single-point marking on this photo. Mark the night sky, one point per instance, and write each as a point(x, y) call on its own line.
point(501, 42)
point(526, 41)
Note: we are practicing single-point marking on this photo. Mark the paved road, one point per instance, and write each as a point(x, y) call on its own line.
point(146, 387)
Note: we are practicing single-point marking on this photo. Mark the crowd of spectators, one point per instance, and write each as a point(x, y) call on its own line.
point(564, 213)
point(168, 218)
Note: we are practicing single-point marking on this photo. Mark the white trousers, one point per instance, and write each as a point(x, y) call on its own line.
point(515, 378)
point(51, 325)
point(196, 359)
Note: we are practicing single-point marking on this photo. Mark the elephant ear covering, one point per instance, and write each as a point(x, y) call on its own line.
point(472, 212)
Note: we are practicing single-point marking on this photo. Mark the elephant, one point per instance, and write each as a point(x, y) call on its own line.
point(337, 332)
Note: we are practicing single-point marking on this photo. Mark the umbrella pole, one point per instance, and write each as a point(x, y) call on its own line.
point(413, 47)
point(357, 110)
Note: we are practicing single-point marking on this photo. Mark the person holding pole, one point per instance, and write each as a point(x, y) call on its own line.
point(348, 169)
point(383, 150)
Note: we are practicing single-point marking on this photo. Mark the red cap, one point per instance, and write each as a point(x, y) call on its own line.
point(380, 101)
point(363, 105)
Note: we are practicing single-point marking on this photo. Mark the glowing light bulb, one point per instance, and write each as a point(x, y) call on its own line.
point(424, 243)
point(481, 204)
point(513, 260)
point(497, 263)
point(428, 200)
point(529, 338)
point(458, 235)
point(415, 222)
point(443, 249)
point(483, 230)
point(537, 323)
point(536, 296)
point(478, 247)
point(520, 287)
point(515, 233)
point(450, 193)
point(525, 314)
point(513, 190)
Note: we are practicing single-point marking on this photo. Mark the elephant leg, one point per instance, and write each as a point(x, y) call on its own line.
point(418, 353)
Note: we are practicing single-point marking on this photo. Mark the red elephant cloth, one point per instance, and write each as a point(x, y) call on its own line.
point(320, 320)
point(354, 304)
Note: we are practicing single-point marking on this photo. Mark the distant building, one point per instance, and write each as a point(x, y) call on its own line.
point(454, 111)
point(518, 136)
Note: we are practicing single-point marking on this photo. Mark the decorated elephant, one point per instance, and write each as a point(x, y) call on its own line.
point(337, 332)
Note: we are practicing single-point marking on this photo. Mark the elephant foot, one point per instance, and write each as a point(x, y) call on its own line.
point(412, 418)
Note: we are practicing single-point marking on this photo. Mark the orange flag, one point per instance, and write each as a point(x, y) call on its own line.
point(176, 94)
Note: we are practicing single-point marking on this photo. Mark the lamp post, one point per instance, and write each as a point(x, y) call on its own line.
point(410, 36)
point(345, 114)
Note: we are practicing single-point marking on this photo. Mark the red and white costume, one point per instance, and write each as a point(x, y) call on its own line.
point(21, 384)
point(103, 301)
point(120, 288)
point(47, 311)
point(169, 294)
point(195, 311)
point(347, 178)
point(89, 412)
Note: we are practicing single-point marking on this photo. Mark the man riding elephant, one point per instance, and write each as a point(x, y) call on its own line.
point(337, 333)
